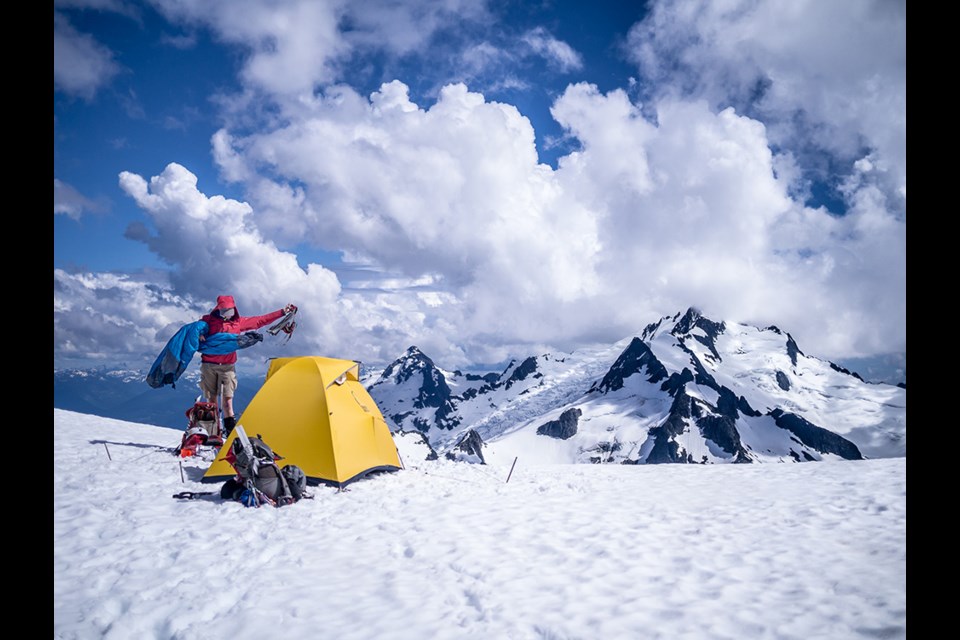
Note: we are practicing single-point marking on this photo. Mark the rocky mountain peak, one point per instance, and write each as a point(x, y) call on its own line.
point(635, 358)
point(412, 362)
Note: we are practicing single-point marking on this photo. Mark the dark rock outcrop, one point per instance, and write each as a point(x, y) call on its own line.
point(676, 381)
point(489, 378)
point(471, 444)
point(686, 324)
point(434, 392)
point(693, 319)
point(703, 377)
point(665, 448)
point(526, 368)
point(783, 381)
point(562, 428)
point(650, 330)
point(792, 349)
point(837, 367)
point(719, 426)
point(635, 358)
point(727, 403)
point(446, 416)
point(604, 451)
point(815, 437)
point(723, 431)
point(744, 407)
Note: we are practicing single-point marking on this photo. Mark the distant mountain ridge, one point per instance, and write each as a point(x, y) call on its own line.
point(687, 389)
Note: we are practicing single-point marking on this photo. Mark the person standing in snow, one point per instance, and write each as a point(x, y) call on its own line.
point(218, 372)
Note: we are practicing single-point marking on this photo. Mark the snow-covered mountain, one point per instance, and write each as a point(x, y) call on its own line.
point(687, 389)
point(414, 394)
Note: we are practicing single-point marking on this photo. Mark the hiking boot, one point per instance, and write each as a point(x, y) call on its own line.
point(228, 424)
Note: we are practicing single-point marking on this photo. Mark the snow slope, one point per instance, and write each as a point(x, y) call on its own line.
point(447, 550)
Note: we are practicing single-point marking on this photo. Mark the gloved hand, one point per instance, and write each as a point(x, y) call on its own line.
point(290, 308)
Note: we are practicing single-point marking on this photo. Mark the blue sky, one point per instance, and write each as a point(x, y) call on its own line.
point(482, 179)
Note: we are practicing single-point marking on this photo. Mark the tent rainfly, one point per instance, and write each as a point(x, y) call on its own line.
point(315, 413)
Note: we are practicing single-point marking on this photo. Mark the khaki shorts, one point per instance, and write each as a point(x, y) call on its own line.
point(213, 376)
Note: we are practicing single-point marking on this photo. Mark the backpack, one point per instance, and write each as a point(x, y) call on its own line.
point(206, 415)
point(203, 428)
point(259, 478)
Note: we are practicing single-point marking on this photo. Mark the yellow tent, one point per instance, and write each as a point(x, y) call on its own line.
point(315, 413)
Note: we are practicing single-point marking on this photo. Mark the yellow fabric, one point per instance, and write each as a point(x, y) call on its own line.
point(332, 430)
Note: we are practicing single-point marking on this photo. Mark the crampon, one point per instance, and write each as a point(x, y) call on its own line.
point(286, 325)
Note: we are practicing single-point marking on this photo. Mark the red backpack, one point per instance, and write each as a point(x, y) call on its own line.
point(203, 428)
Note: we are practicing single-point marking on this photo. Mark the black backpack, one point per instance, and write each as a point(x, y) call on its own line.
point(259, 478)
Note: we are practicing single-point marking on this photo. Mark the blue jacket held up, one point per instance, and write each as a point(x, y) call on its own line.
point(179, 351)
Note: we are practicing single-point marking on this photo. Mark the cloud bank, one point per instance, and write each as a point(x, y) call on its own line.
point(644, 220)
point(475, 250)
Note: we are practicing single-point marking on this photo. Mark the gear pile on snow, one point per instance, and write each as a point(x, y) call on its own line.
point(260, 480)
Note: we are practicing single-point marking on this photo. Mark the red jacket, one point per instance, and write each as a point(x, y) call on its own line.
point(237, 324)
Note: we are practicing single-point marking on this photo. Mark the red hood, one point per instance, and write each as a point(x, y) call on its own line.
point(225, 302)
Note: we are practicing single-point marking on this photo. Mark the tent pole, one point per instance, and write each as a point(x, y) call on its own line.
point(511, 469)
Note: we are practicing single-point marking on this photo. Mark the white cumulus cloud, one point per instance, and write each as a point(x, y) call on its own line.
point(824, 76)
point(646, 218)
point(215, 248)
